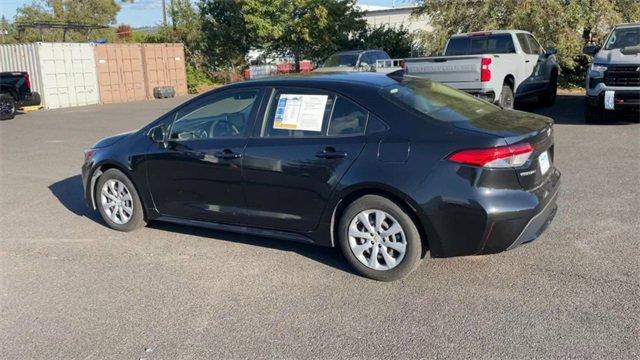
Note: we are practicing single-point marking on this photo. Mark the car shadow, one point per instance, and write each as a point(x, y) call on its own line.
point(324, 255)
point(569, 110)
point(69, 193)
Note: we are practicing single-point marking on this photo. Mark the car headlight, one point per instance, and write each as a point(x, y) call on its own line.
point(601, 68)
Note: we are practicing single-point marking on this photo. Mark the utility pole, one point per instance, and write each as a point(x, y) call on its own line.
point(164, 13)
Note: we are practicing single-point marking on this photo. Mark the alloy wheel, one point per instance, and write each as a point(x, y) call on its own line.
point(116, 201)
point(377, 239)
point(7, 107)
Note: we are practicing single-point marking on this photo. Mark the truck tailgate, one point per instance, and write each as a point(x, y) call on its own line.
point(446, 69)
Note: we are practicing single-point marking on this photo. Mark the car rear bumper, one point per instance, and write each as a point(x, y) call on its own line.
point(508, 230)
point(31, 99)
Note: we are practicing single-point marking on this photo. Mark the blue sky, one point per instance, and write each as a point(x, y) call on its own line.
point(144, 12)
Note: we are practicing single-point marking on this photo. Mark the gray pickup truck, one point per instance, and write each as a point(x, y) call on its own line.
point(497, 66)
point(613, 80)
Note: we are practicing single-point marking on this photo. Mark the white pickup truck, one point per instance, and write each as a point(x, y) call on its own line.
point(497, 66)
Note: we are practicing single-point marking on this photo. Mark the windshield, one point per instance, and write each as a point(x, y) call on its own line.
point(624, 37)
point(475, 45)
point(436, 100)
point(349, 60)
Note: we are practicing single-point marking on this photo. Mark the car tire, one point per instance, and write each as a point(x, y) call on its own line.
point(7, 107)
point(506, 99)
point(403, 245)
point(549, 96)
point(592, 114)
point(120, 207)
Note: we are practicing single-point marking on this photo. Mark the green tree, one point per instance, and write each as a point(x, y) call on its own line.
point(565, 24)
point(310, 29)
point(226, 38)
point(396, 41)
point(95, 12)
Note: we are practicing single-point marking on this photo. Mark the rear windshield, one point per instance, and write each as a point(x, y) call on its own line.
point(436, 100)
point(348, 60)
point(474, 45)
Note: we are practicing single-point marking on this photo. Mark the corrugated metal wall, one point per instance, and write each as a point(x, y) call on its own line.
point(22, 57)
point(164, 66)
point(120, 72)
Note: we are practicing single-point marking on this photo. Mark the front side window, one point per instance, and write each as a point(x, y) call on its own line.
point(311, 114)
point(220, 117)
point(536, 48)
point(524, 44)
point(436, 100)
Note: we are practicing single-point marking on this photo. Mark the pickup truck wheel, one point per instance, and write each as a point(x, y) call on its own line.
point(549, 97)
point(7, 107)
point(506, 97)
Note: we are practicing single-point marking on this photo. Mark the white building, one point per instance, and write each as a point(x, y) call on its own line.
point(395, 16)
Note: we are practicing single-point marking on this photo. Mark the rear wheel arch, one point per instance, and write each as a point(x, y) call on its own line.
point(511, 81)
point(404, 204)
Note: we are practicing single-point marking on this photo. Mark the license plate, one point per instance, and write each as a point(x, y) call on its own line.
point(609, 97)
point(543, 160)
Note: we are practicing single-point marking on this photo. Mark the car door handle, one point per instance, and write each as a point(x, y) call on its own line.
point(526, 61)
point(227, 154)
point(331, 153)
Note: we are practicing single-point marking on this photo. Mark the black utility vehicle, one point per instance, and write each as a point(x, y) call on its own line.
point(385, 168)
point(15, 92)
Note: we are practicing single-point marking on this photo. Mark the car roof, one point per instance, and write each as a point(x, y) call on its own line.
point(355, 52)
point(491, 32)
point(368, 79)
point(627, 25)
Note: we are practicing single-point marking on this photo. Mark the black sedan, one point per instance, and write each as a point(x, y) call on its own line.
point(387, 168)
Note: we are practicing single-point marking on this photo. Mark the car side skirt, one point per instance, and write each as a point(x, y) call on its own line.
point(284, 235)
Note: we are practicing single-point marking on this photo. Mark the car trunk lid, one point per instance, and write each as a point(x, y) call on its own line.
point(516, 127)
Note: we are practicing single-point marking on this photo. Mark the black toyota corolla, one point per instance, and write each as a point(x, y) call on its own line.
point(387, 168)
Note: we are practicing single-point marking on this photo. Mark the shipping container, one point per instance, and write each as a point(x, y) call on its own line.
point(63, 73)
point(164, 66)
point(120, 72)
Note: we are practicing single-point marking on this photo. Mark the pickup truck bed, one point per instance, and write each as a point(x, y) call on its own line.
point(497, 66)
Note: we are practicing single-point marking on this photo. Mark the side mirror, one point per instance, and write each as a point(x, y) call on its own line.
point(590, 50)
point(551, 51)
point(158, 134)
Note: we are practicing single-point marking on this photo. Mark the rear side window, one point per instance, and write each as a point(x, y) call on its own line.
point(298, 114)
point(347, 118)
point(481, 44)
point(304, 114)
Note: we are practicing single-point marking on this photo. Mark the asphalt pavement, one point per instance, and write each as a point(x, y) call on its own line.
point(71, 288)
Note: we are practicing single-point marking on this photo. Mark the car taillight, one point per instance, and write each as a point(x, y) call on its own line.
point(485, 72)
point(27, 81)
point(88, 155)
point(496, 157)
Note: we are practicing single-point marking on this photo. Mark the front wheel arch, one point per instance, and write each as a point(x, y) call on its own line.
point(102, 168)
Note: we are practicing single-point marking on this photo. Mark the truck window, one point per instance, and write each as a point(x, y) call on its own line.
point(482, 44)
point(524, 44)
